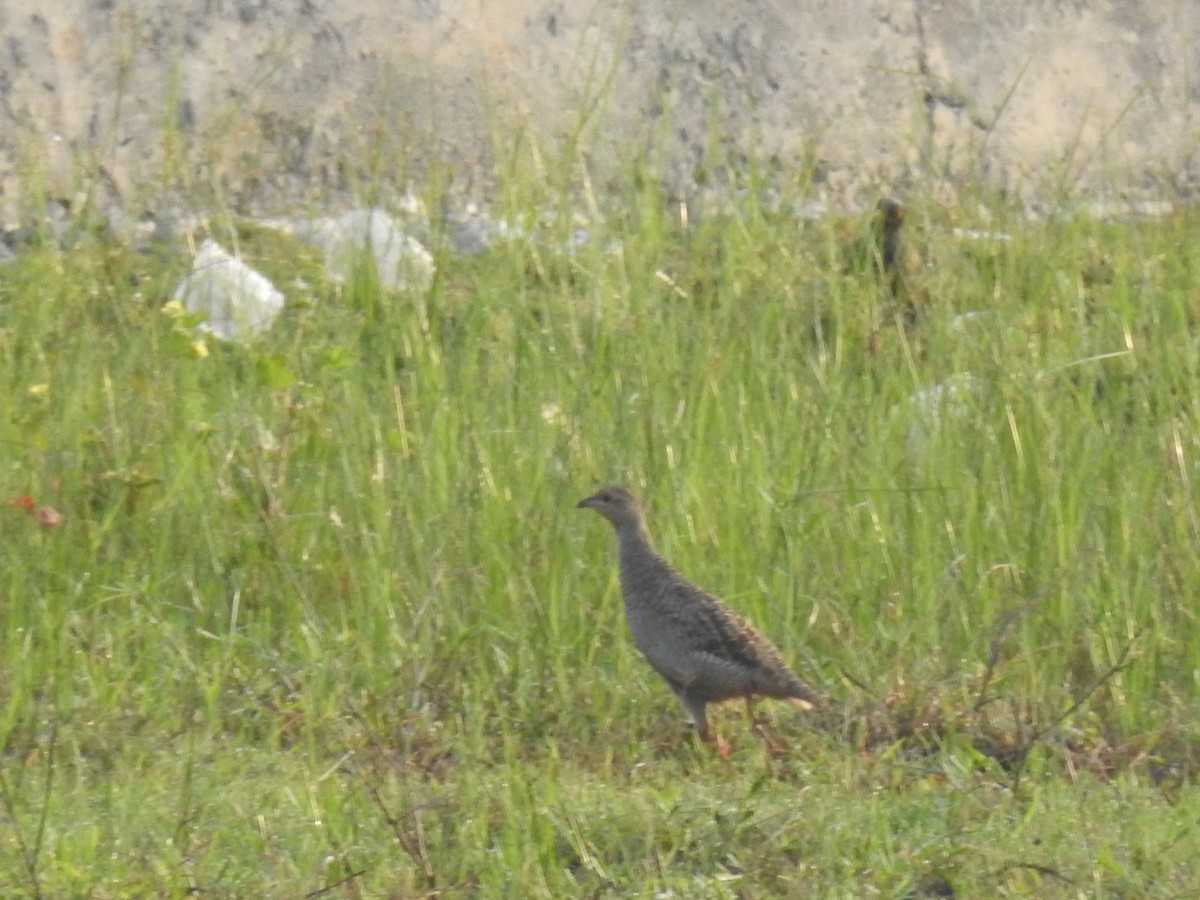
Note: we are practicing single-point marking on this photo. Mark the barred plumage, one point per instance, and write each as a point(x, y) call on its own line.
point(704, 650)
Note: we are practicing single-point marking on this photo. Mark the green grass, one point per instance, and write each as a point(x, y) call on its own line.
point(321, 614)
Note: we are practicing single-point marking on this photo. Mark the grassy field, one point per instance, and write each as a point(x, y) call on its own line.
point(318, 617)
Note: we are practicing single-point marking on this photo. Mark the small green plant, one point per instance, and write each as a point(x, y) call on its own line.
point(317, 614)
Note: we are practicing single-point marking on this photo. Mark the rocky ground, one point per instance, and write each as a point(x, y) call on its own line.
point(267, 105)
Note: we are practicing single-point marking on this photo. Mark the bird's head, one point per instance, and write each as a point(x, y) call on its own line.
point(616, 504)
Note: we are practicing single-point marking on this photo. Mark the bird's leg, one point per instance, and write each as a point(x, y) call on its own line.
point(708, 736)
point(694, 707)
point(696, 711)
point(754, 723)
point(759, 726)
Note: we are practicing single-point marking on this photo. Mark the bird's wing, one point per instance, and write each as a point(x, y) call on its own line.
point(713, 631)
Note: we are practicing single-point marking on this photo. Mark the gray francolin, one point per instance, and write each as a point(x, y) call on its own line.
point(706, 652)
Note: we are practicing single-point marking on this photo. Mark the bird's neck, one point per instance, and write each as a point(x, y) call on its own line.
point(637, 556)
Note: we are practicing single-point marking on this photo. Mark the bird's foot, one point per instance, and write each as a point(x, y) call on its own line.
point(708, 737)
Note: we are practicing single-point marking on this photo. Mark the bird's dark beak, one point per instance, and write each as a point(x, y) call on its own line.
point(585, 503)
